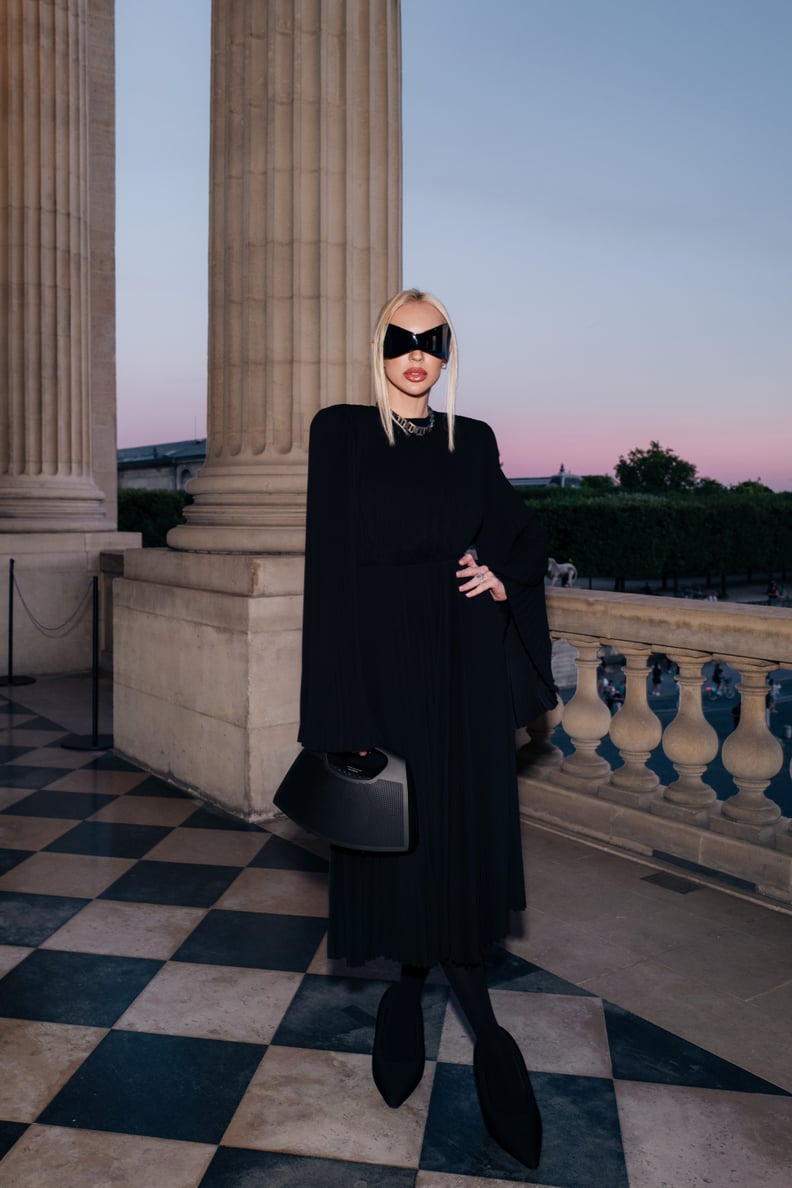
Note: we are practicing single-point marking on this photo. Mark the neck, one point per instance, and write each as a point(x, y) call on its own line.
point(409, 406)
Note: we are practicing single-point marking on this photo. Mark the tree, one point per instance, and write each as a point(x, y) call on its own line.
point(598, 482)
point(709, 486)
point(655, 471)
point(151, 512)
point(751, 487)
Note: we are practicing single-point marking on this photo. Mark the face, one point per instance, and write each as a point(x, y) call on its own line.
point(412, 376)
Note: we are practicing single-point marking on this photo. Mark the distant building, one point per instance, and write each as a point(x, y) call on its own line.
point(165, 467)
point(564, 478)
point(169, 466)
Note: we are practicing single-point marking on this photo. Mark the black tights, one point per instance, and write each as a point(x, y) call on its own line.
point(469, 983)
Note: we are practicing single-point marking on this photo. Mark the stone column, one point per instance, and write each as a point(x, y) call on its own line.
point(305, 245)
point(57, 318)
point(46, 482)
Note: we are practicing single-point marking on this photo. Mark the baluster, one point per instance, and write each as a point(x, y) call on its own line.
point(586, 720)
point(691, 744)
point(538, 751)
point(636, 731)
point(752, 756)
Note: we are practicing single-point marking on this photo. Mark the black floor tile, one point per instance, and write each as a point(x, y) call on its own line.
point(182, 884)
point(169, 1087)
point(82, 988)
point(9, 1133)
point(581, 1147)
point(505, 971)
point(109, 761)
point(8, 753)
point(74, 806)
point(156, 787)
point(29, 919)
point(279, 854)
point(339, 1014)
point(109, 839)
point(19, 776)
point(11, 858)
point(8, 706)
point(641, 1051)
point(254, 940)
point(36, 722)
point(214, 819)
point(238, 1168)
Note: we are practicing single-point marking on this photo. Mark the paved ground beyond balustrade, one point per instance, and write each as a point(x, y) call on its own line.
point(169, 1018)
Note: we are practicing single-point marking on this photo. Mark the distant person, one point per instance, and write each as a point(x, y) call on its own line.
point(613, 695)
point(718, 677)
point(657, 679)
point(774, 594)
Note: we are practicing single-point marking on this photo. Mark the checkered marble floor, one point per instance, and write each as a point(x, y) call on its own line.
point(169, 1019)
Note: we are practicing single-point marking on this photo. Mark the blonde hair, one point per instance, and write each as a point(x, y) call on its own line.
point(378, 361)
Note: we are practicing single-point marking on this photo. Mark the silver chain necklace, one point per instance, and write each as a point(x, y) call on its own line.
point(411, 429)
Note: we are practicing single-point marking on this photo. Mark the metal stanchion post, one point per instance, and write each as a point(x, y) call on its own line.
point(11, 679)
point(93, 741)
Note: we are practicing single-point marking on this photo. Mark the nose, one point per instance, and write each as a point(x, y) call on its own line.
point(416, 353)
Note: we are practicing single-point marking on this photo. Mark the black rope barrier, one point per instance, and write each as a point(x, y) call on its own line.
point(11, 678)
point(93, 741)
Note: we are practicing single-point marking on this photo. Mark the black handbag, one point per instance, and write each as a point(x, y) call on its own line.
point(358, 802)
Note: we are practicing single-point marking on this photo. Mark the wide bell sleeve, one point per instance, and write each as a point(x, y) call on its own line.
point(513, 543)
point(335, 713)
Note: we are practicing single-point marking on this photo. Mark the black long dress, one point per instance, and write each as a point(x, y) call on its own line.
point(394, 655)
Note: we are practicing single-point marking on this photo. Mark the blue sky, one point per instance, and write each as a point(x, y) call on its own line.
point(600, 191)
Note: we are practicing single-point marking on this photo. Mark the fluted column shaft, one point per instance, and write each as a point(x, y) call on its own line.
point(305, 245)
point(46, 479)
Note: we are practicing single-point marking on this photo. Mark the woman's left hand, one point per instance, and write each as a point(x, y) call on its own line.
point(479, 578)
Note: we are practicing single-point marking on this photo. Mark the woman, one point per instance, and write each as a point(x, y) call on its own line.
point(425, 632)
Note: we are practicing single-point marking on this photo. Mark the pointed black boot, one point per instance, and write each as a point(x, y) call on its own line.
point(507, 1100)
point(397, 1059)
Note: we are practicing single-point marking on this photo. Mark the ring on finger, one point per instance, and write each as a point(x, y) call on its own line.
point(480, 576)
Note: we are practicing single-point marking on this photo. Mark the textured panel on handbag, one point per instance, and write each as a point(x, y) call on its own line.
point(359, 814)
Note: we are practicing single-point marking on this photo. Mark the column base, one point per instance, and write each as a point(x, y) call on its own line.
point(49, 503)
point(688, 814)
point(588, 784)
point(763, 835)
point(207, 669)
point(783, 839)
point(637, 797)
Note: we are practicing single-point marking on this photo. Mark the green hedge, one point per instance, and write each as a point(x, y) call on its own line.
point(152, 513)
point(650, 536)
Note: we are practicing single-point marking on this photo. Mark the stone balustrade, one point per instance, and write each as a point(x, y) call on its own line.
point(740, 835)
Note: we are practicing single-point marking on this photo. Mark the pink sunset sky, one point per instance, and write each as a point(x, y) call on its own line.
point(601, 192)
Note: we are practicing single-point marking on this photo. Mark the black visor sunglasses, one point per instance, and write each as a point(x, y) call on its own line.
point(436, 341)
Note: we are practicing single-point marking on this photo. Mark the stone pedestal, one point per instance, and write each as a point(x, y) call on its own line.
point(206, 676)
